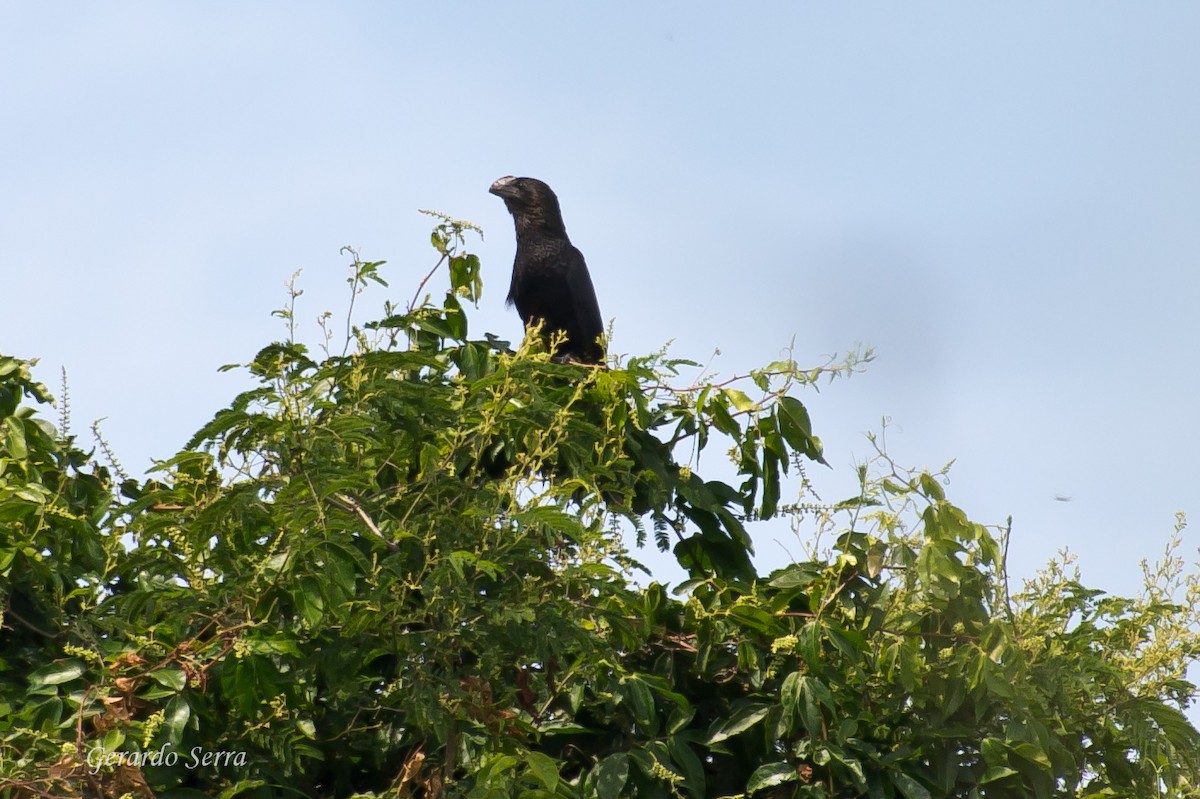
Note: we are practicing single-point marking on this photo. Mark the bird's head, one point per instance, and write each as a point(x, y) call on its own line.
point(532, 203)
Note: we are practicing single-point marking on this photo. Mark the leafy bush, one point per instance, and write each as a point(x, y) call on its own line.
point(398, 571)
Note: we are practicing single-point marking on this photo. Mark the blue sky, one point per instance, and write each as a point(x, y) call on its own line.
point(1002, 200)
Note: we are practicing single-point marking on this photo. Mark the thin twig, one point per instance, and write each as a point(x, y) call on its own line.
point(413, 303)
point(9, 612)
point(347, 503)
point(1004, 572)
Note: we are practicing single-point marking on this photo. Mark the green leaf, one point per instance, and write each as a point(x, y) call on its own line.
point(176, 717)
point(850, 643)
point(641, 702)
point(997, 773)
point(770, 485)
point(931, 488)
point(680, 718)
point(739, 400)
point(688, 764)
point(278, 644)
point(1033, 752)
point(14, 438)
point(909, 787)
point(770, 775)
point(112, 741)
point(611, 774)
point(57, 673)
point(544, 768)
point(495, 770)
point(310, 600)
point(754, 618)
point(718, 414)
point(813, 694)
point(797, 575)
point(790, 699)
point(741, 720)
point(174, 679)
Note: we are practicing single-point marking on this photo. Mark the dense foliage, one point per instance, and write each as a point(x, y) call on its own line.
point(398, 571)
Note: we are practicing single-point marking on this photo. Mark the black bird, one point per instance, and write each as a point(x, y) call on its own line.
point(550, 280)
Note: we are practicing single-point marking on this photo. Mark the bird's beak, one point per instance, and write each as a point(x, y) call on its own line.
point(504, 187)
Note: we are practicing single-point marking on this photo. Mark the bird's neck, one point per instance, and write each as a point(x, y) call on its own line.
point(537, 228)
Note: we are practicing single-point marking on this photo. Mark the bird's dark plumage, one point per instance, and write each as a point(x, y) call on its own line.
point(550, 280)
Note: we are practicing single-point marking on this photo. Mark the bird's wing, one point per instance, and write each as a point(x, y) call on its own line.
point(583, 299)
